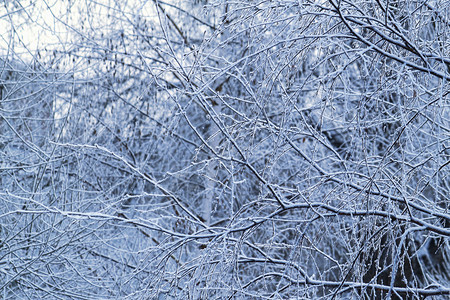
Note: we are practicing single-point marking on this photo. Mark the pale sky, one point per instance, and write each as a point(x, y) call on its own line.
point(37, 24)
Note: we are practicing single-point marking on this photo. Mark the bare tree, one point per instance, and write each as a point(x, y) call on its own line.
point(225, 149)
